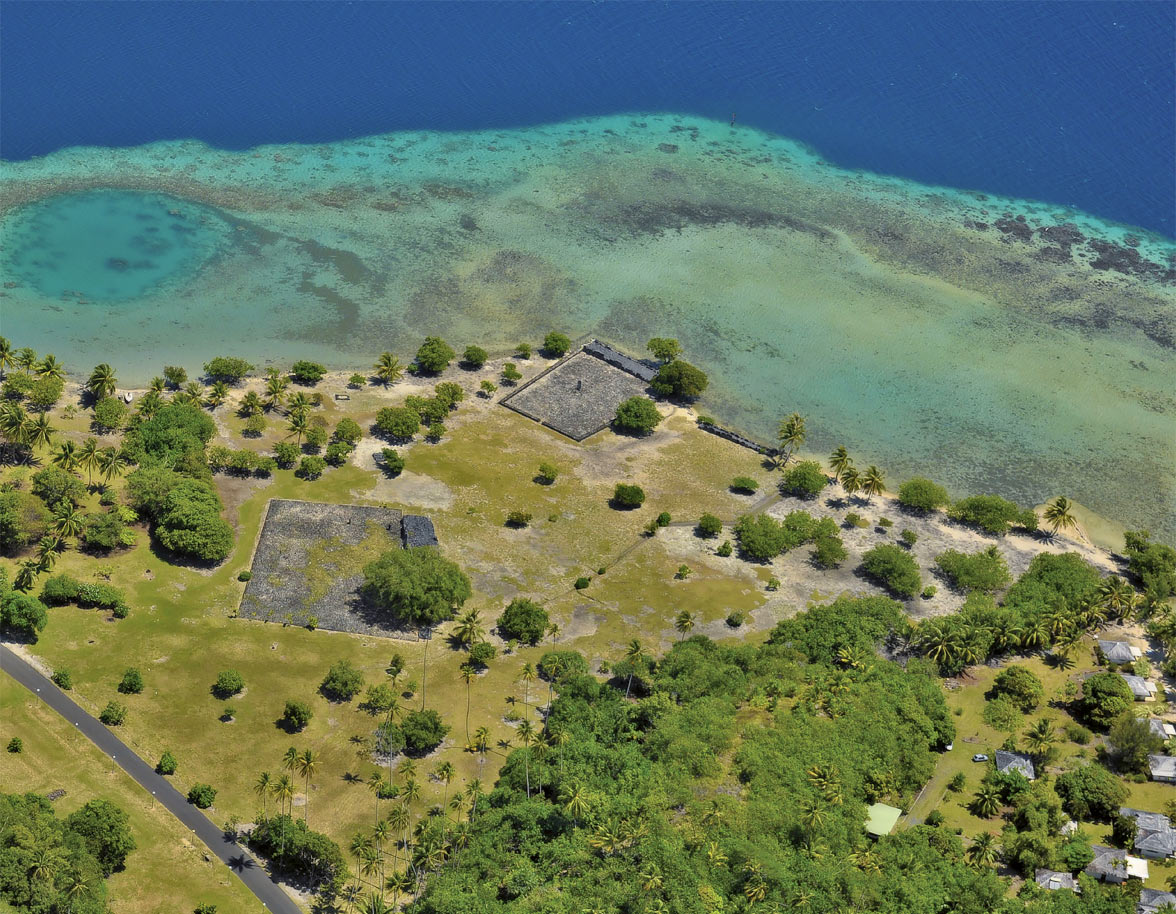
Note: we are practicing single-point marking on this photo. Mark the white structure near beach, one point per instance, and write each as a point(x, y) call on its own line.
point(1119, 651)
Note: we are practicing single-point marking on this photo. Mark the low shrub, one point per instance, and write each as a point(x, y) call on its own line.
point(894, 569)
point(735, 618)
point(556, 345)
point(423, 731)
point(296, 715)
point(474, 357)
point(745, 485)
point(518, 519)
point(310, 468)
point(113, 714)
point(392, 461)
point(628, 496)
point(167, 763)
point(922, 495)
point(342, 682)
point(709, 526)
point(132, 682)
point(581, 583)
point(228, 683)
point(201, 795)
point(725, 549)
point(804, 479)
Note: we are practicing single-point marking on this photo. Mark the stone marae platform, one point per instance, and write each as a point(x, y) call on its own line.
point(309, 564)
point(577, 397)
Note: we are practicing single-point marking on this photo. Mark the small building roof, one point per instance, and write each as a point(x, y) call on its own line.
point(1119, 651)
point(1151, 900)
point(1015, 761)
point(626, 363)
point(1116, 864)
point(881, 819)
point(1161, 728)
point(1163, 767)
point(416, 530)
point(1141, 688)
point(1147, 821)
point(1053, 880)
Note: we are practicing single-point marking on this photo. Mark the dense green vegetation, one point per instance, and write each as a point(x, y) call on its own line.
point(637, 415)
point(679, 380)
point(986, 571)
point(805, 479)
point(418, 586)
point(55, 865)
point(992, 514)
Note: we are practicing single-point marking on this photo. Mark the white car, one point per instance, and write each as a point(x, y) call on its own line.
point(979, 758)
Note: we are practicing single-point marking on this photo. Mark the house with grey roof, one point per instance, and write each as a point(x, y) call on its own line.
point(1142, 689)
point(1163, 768)
point(1113, 864)
point(1161, 728)
point(1154, 835)
point(1053, 880)
point(1119, 651)
point(1014, 761)
point(1151, 901)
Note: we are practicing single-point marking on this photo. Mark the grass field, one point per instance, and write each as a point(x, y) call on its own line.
point(168, 871)
point(182, 629)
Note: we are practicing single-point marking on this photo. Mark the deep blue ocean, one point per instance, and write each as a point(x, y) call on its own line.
point(1067, 102)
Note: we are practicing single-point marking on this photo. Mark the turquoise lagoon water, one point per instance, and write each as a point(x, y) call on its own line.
point(108, 245)
point(894, 315)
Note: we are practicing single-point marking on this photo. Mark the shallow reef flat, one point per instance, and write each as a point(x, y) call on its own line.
point(996, 344)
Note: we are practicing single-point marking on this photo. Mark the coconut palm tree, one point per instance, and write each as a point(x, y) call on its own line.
point(986, 802)
point(300, 404)
point(49, 367)
point(576, 801)
point(40, 433)
point(399, 818)
point(791, 436)
point(872, 482)
point(1116, 595)
point(6, 355)
point(26, 575)
point(251, 404)
point(938, 641)
point(157, 385)
point(111, 463)
point(468, 674)
point(527, 735)
point(150, 403)
point(217, 394)
point(298, 425)
point(635, 654)
point(102, 382)
point(1035, 635)
point(445, 772)
point(285, 790)
point(527, 676)
point(66, 456)
point(263, 787)
point(88, 458)
point(1059, 515)
point(13, 422)
point(1040, 737)
point(25, 358)
point(307, 766)
point(399, 884)
point(275, 390)
point(684, 623)
point(469, 629)
point(47, 549)
point(983, 850)
point(850, 480)
point(839, 461)
point(388, 368)
point(68, 519)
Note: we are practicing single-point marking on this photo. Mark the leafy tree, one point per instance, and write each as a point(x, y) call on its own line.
point(1133, 741)
point(63, 679)
point(680, 380)
point(548, 473)
point(201, 796)
point(709, 525)
point(628, 496)
point(510, 374)
point(806, 479)
point(1020, 685)
point(305, 372)
point(167, 763)
point(22, 616)
point(113, 714)
point(434, 355)
point(227, 369)
point(104, 532)
point(1090, 792)
point(894, 569)
point(296, 715)
point(474, 356)
point(423, 731)
point(1105, 696)
point(228, 683)
point(744, 485)
point(343, 682)
point(132, 682)
point(923, 495)
point(300, 854)
point(481, 654)
point(992, 514)
point(189, 523)
point(397, 422)
point(419, 585)
point(830, 551)
point(523, 620)
point(556, 345)
point(110, 413)
point(311, 467)
point(664, 349)
point(53, 485)
point(105, 828)
point(337, 453)
point(986, 570)
point(174, 376)
point(23, 520)
point(286, 454)
point(392, 461)
point(1152, 564)
point(637, 415)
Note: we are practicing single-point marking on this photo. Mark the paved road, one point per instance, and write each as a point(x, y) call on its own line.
point(229, 852)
